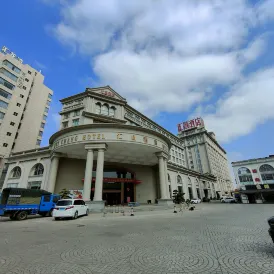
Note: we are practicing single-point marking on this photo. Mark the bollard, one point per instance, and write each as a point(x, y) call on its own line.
point(105, 213)
point(112, 209)
point(108, 208)
point(116, 209)
point(123, 210)
point(131, 211)
point(175, 209)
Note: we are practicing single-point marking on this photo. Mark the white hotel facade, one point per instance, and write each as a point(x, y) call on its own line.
point(112, 153)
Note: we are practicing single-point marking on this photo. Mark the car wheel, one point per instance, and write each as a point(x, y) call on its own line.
point(87, 212)
point(23, 215)
point(75, 215)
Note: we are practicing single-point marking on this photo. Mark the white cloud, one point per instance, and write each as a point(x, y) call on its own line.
point(170, 55)
point(249, 104)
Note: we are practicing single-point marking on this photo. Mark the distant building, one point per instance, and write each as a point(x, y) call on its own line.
point(24, 105)
point(255, 179)
point(204, 154)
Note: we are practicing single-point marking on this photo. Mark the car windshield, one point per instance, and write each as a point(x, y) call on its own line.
point(64, 203)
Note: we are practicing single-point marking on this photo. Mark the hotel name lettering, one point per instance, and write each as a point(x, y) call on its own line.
point(102, 136)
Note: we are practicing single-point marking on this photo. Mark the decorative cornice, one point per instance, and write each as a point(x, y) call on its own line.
point(103, 118)
point(108, 125)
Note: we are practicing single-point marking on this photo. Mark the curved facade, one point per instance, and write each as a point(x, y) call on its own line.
point(107, 151)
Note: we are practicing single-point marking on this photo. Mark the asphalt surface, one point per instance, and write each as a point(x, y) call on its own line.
point(214, 238)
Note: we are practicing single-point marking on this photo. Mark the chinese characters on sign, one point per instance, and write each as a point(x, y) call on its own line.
point(107, 93)
point(7, 51)
point(190, 124)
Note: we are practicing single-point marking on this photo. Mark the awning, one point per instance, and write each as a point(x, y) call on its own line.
point(118, 180)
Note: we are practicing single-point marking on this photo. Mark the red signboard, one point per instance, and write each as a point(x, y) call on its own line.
point(197, 122)
point(118, 180)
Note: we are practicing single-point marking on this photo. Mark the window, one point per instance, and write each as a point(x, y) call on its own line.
point(38, 142)
point(42, 125)
point(76, 113)
point(98, 108)
point(18, 105)
point(6, 84)
point(46, 198)
point(64, 203)
point(5, 94)
point(3, 104)
point(29, 72)
point(16, 172)
point(245, 175)
point(105, 110)
point(11, 66)
point(267, 172)
point(112, 111)
point(55, 199)
point(46, 110)
point(21, 95)
point(9, 133)
point(12, 123)
point(2, 115)
point(8, 74)
point(45, 117)
point(50, 95)
point(12, 185)
point(35, 185)
point(66, 116)
point(5, 145)
point(26, 79)
point(179, 180)
point(16, 135)
point(48, 103)
point(75, 122)
point(65, 124)
point(77, 202)
point(40, 133)
point(24, 88)
point(15, 113)
point(38, 170)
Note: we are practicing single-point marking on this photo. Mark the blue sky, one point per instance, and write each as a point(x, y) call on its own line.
point(172, 61)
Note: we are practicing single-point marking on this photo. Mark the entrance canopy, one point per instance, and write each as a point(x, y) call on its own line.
point(125, 144)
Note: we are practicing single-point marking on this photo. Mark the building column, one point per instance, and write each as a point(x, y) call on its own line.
point(194, 190)
point(98, 194)
point(163, 176)
point(166, 179)
point(53, 173)
point(88, 175)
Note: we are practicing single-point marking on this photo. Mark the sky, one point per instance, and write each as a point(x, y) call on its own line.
point(172, 60)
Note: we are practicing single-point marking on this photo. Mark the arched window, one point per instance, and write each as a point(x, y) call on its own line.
point(38, 170)
point(112, 112)
point(168, 178)
point(245, 175)
point(179, 180)
point(16, 172)
point(98, 108)
point(105, 110)
point(267, 172)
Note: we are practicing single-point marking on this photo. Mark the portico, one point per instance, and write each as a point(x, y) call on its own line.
point(107, 144)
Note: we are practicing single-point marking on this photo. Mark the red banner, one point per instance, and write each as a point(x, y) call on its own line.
point(119, 180)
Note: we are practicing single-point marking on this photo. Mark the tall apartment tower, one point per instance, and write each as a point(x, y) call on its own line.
point(24, 104)
point(204, 154)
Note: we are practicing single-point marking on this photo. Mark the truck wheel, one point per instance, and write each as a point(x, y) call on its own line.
point(23, 215)
point(12, 217)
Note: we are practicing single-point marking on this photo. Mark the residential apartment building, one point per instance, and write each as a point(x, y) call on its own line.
point(204, 154)
point(24, 105)
point(255, 179)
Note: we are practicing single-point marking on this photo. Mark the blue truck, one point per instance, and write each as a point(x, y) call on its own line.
point(18, 203)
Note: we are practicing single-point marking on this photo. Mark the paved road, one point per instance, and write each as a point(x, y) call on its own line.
point(215, 238)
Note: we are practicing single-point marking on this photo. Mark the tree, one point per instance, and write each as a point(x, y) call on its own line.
point(64, 193)
point(178, 196)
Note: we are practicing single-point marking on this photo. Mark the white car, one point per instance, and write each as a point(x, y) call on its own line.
point(70, 208)
point(195, 201)
point(228, 200)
